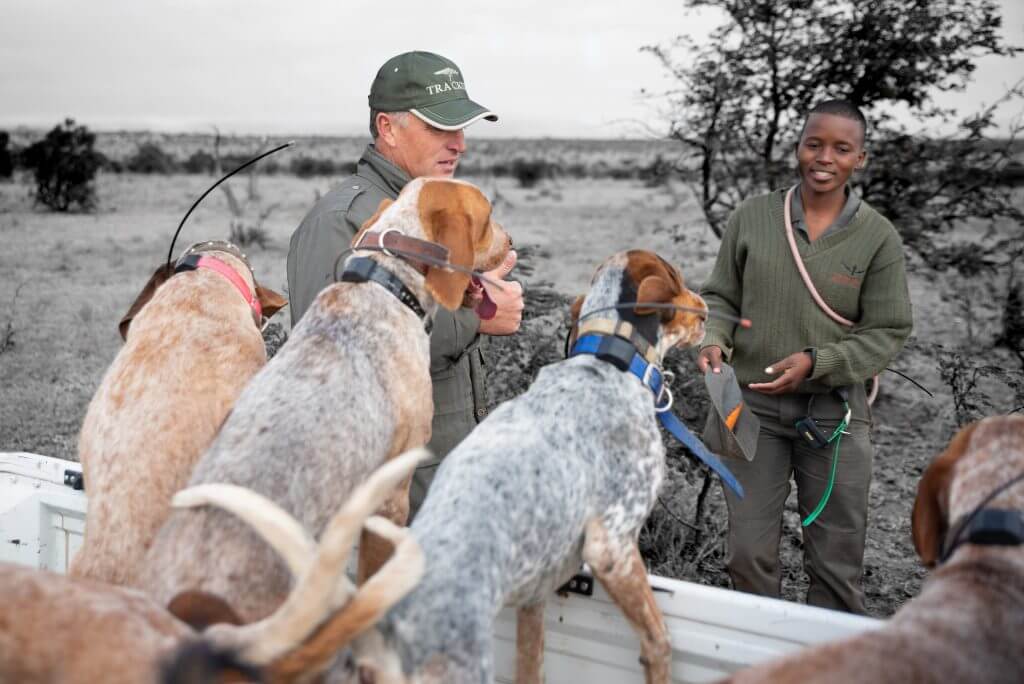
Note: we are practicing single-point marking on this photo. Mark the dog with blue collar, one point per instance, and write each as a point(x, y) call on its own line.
point(564, 473)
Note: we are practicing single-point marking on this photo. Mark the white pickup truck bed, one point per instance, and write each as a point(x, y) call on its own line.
point(714, 631)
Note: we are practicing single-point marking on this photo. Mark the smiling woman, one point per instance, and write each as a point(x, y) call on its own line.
point(830, 149)
point(801, 367)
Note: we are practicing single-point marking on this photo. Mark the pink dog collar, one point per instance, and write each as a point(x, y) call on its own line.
point(194, 261)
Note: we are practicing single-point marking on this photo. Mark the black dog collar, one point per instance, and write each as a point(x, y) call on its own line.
point(988, 527)
point(364, 269)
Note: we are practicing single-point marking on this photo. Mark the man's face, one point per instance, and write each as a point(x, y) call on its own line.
point(830, 148)
point(419, 149)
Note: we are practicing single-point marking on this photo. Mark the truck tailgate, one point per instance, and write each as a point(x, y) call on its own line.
point(714, 631)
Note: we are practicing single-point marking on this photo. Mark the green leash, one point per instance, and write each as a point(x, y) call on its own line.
point(837, 436)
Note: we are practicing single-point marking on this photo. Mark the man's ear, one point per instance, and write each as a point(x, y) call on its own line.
point(863, 161)
point(381, 208)
point(655, 290)
point(928, 520)
point(270, 302)
point(385, 130)
point(159, 277)
point(447, 221)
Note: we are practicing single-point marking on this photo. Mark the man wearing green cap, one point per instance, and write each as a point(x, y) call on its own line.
point(418, 110)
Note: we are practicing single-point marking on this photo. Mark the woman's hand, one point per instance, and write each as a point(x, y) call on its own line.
point(710, 357)
point(794, 368)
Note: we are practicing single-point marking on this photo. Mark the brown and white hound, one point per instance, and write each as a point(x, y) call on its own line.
point(192, 341)
point(348, 391)
point(967, 625)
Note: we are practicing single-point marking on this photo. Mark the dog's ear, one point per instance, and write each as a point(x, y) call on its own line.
point(199, 610)
point(656, 282)
point(928, 520)
point(270, 302)
point(452, 215)
point(574, 311)
point(655, 290)
point(159, 277)
point(381, 208)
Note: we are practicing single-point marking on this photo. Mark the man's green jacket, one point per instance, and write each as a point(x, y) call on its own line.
point(456, 361)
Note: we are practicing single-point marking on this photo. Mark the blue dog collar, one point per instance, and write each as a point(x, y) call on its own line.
point(623, 355)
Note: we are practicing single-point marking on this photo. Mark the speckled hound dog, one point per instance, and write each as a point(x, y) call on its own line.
point(967, 625)
point(190, 346)
point(566, 472)
point(348, 391)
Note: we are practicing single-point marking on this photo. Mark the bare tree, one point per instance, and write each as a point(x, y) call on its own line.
point(247, 216)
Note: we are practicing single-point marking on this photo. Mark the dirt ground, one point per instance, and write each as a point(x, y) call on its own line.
point(65, 280)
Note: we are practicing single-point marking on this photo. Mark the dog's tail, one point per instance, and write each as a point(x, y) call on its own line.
point(324, 611)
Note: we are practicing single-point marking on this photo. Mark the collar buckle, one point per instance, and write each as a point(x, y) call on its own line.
point(666, 379)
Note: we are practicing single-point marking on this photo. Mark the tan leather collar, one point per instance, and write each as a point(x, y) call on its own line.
point(405, 247)
point(623, 329)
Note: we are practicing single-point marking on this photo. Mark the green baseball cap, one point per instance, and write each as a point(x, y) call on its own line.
point(428, 86)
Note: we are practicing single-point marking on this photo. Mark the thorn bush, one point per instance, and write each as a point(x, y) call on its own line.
point(65, 164)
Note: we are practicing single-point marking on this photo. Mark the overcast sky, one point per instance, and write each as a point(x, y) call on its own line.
point(559, 68)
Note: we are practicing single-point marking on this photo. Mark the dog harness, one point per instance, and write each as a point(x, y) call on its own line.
point(365, 269)
point(623, 354)
point(986, 526)
point(191, 262)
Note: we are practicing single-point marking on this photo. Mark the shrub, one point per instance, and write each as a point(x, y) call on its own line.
point(305, 167)
point(109, 164)
point(529, 171)
point(244, 236)
point(6, 162)
point(65, 164)
point(657, 172)
point(200, 161)
point(151, 158)
point(274, 336)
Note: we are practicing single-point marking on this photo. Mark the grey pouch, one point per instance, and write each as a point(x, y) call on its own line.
point(731, 429)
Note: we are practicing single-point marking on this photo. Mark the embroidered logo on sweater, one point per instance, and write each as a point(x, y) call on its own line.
point(852, 270)
point(850, 278)
point(845, 280)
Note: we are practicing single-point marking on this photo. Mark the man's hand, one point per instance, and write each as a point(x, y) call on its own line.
point(794, 368)
point(710, 357)
point(509, 300)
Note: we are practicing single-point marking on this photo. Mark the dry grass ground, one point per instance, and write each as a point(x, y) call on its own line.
point(65, 280)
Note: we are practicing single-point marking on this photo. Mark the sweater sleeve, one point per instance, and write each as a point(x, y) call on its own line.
point(723, 291)
point(885, 323)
